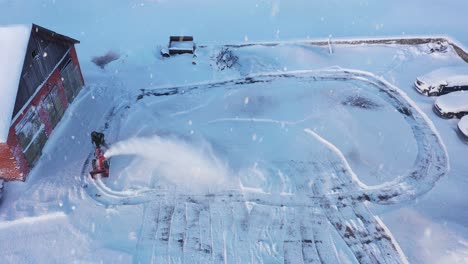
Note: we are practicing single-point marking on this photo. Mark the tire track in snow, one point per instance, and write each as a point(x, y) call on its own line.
point(310, 253)
point(144, 252)
point(240, 244)
point(194, 249)
point(432, 161)
point(219, 227)
point(353, 220)
point(324, 245)
point(177, 235)
point(339, 206)
point(258, 222)
point(161, 242)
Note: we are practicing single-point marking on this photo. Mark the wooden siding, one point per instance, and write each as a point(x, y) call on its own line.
point(51, 103)
point(8, 167)
point(40, 117)
point(19, 159)
point(71, 80)
point(31, 134)
point(75, 60)
point(48, 106)
point(42, 56)
point(41, 100)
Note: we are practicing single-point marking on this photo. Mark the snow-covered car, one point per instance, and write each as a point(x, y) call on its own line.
point(452, 105)
point(443, 81)
point(463, 127)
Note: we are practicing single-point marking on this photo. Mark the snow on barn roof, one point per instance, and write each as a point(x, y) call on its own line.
point(13, 44)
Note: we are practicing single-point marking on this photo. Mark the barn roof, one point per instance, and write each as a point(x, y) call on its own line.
point(13, 44)
point(47, 33)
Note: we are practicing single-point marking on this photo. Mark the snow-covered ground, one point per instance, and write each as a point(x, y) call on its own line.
point(136, 27)
point(294, 155)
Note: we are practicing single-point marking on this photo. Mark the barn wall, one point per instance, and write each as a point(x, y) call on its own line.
point(51, 78)
point(39, 100)
point(37, 103)
point(62, 95)
point(18, 160)
point(9, 170)
point(14, 164)
point(42, 56)
point(74, 57)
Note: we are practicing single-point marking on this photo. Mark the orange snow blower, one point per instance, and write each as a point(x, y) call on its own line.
point(100, 164)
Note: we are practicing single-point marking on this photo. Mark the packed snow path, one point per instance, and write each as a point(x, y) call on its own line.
point(291, 220)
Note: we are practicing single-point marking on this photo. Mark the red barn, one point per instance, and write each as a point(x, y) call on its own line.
point(39, 77)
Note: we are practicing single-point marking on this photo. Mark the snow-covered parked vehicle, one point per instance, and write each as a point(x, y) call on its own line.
point(452, 105)
point(463, 127)
point(443, 81)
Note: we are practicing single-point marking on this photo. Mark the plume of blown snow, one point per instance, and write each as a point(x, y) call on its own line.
point(188, 167)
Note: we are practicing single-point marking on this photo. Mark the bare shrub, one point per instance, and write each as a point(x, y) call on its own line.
point(102, 61)
point(360, 102)
point(437, 47)
point(226, 59)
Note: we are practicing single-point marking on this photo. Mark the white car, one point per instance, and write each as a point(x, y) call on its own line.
point(443, 81)
point(463, 127)
point(452, 105)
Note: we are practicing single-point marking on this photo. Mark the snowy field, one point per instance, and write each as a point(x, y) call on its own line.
point(294, 155)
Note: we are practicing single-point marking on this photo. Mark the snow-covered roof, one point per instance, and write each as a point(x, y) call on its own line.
point(458, 80)
point(13, 44)
point(444, 75)
point(463, 125)
point(453, 102)
point(181, 45)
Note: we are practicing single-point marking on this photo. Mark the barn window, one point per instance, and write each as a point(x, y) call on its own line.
point(34, 54)
point(71, 80)
point(54, 106)
point(30, 132)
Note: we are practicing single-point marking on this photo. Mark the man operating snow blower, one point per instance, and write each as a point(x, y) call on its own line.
point(100, 164)
point(97, 139)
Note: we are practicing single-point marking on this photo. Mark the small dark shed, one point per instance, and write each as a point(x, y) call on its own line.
point(181, 45)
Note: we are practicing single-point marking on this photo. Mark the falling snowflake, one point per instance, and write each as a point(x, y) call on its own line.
point(254, 137)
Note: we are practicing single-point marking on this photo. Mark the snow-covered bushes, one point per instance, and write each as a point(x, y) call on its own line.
point(437, 47)
point(225, 59)
point(360, 102)
point(102, 61)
